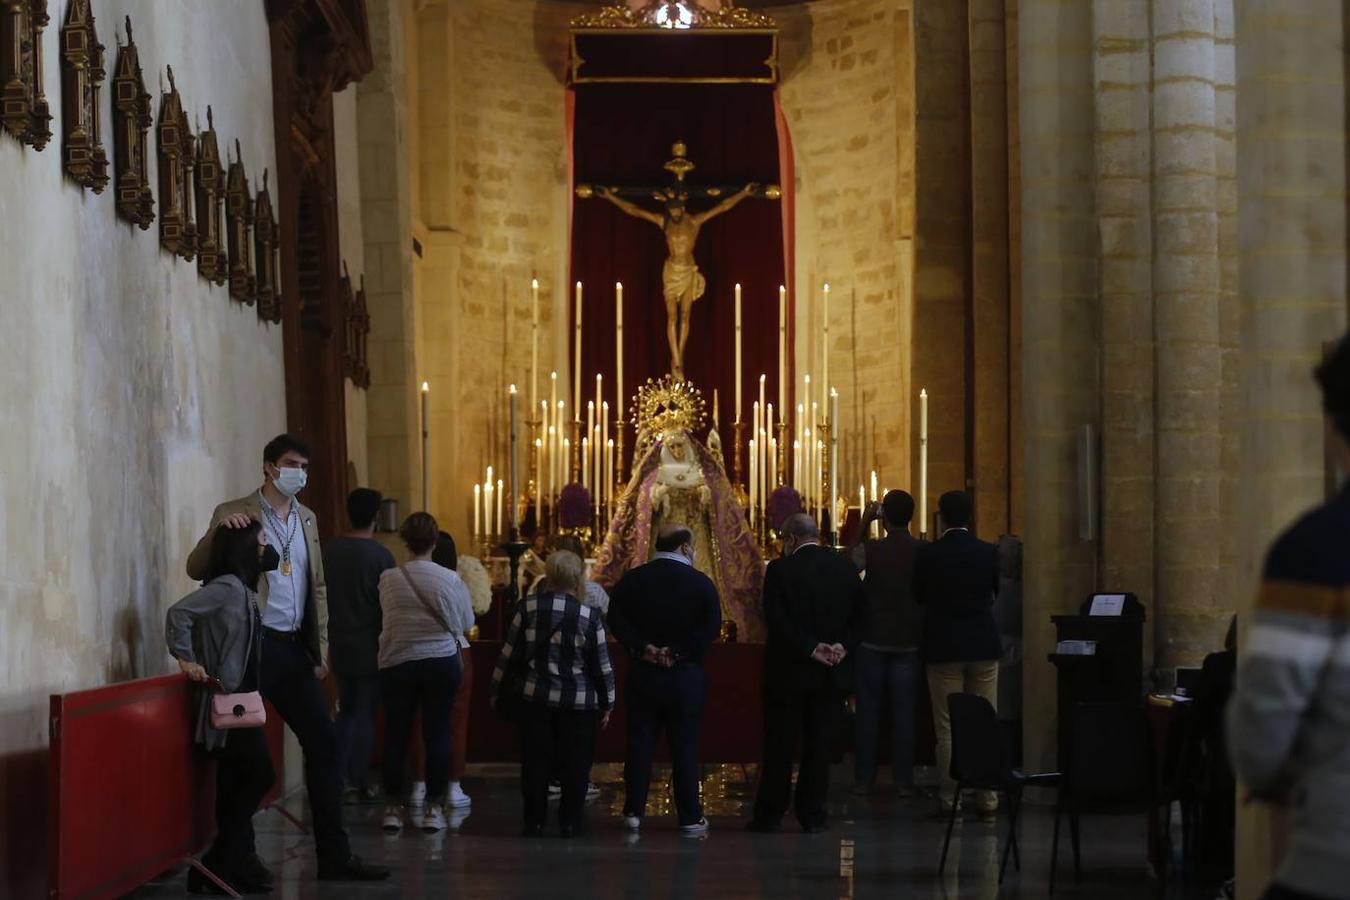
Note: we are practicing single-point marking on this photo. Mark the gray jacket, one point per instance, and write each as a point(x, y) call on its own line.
point(216, 626)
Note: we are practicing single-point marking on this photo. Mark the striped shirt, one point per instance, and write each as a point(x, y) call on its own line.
point(410, 630)
point(555, 654)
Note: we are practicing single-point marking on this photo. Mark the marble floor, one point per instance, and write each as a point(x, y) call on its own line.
point(877, 847)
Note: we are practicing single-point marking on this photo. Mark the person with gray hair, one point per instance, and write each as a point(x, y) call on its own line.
point(554, 671)
point(666, 614)
point(813, 604)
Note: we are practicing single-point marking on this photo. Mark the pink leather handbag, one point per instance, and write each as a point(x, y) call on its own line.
point(238, 711)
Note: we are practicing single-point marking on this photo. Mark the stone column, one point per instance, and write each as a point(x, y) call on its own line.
point(1122, 89)
point(1059, 345)
point(1187, 354)
point(1291, 127)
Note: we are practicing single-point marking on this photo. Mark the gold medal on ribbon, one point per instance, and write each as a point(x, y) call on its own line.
point(286, 568)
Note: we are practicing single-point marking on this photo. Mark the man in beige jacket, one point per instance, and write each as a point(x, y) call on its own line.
point(294, 606)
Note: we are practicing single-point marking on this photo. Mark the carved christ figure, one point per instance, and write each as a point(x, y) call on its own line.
point(681, 281)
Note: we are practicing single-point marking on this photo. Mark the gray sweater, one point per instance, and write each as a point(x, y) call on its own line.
point(215, 626)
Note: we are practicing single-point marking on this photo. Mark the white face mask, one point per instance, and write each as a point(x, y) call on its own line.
point(291, 480)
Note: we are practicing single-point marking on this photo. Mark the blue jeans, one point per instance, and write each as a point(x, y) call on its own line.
point(894, 675)
point(358, 702)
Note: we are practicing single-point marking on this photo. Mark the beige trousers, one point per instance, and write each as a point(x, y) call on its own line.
point(959, 678)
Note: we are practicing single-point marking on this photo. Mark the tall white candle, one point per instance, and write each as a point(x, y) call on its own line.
point(426, 448)
point(772, 457)
point(798, 425)
point(874, 531)
point(514, 468)
point(797, 463)
point(490, 528)
point(499, 506)
point(609, 475)
point(534, 343)
point(576, 365)
point(820, 477)
point(808, 429)
point(782, 349)
point(539, 486)
point(825, 342)
point(477, 511)
point(834, 458)
point(923, 461)
point(564, 446)
point(618, 350)
point(755, 427)
point(552, 461)
point(754, 484)
point(586, 462)
point(738, 386)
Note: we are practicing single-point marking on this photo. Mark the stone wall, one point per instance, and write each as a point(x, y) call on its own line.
point(135, 398)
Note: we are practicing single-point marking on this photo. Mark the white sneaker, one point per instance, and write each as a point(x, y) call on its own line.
point(419, 794)
point(457, 799)
point(697, 829)
point(393, 818)
point(554, 789)
point(632, 823)
point(433, 819)
point(592, 790)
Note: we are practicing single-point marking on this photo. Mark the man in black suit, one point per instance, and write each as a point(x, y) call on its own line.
point(956, 580)
point(666, 613)
point(813, 606)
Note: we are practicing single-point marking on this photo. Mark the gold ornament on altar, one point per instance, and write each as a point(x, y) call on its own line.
point(666, 405)
point(674, 14)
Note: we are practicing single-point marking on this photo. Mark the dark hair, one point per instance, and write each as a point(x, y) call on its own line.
point(898, 508)
point(363, 505)
point(445, 553)
point(234, 551)
point(800, 525)
point(282, 444)
point(956, 508)
point(571, 543)
point(419, 532)
point(673, 539)
point(1333, 375)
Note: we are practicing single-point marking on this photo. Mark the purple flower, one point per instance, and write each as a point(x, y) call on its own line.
point(783, 502)
point(574, 506)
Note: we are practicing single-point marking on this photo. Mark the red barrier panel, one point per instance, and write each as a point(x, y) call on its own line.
point(130, 795)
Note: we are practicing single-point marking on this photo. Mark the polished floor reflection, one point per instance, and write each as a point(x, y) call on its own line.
point(878, 846)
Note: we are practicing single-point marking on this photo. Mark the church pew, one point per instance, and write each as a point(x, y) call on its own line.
point(129, 794)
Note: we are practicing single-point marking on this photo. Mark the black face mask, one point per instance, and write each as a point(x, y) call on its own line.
point(269, 560)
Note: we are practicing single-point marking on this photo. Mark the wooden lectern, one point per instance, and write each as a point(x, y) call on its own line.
point(1114, 671)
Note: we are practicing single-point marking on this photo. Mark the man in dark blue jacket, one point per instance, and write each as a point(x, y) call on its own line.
point(956, 580)
point(813, 606)
point(665, 613)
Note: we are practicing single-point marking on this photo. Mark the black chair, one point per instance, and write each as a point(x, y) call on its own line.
point(1111, 769)
point(980, 762)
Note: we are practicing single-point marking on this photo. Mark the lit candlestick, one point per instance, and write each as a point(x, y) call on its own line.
point(797, 463)
point(808, 426)
point(488, 530)
point(820, 477)
point(426, 448)
point(737, 386)
point(586, 462)
point(576, 365)
point(552, 457)
point(834, 457)
point(585, 441)
point(808, 493)
point(515, 480)
point(609, 475)
point(754, 485)
point(477, 510)
point(923, 461)
point(534, 342)
point(862, 502)
point(773, 457)
point(782, 348)
point(618, 350)
point(538, 487)
point(798, 425)
point(825, 341)
point(597, 463)
point(755, 428)
point(563, 444)
point(499, 507)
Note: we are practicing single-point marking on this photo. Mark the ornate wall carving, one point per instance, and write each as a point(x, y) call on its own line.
point(356, 322)
point(82, 74)
point(131, 121)
point(177, 232)
point(265, 252)
point(238, 228)
point(209, 184)
point(24, 112)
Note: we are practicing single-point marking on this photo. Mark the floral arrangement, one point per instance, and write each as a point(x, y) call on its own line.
point(574, 506)
point(783, 502)
point(476, 579)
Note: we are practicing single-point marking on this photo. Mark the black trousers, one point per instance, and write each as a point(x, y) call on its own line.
point(428, 685)
point(358, 703)
point(243, 776)
point(288, 683)
point(546, 735)
point(808, 716)
point(669, 700)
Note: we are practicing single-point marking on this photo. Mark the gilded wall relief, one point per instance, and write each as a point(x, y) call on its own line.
point(238, 228)
point(82, 74)
point(131, 122)
point(209, 184)
point(24, 112)
point(177, 232)
point(265, 256)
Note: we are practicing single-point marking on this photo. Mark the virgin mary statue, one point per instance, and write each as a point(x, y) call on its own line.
point(680, 481)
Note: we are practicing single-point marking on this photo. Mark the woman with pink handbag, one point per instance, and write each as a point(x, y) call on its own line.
point(215, 634)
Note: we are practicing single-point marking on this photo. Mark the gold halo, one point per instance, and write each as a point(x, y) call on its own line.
point(667, 404)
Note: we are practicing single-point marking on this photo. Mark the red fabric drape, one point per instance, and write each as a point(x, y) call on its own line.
point(622, 133)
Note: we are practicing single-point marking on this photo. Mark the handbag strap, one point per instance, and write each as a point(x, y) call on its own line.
point(435, 611)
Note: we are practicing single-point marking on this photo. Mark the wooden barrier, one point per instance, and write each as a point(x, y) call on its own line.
point(130, 794)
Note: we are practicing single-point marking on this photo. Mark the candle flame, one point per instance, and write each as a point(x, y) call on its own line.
point(534, 284)
point(923, 393)
point(425, 387)
point(578, 285)
point(827, 287)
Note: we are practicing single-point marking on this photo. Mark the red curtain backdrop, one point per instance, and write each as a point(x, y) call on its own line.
point(622, 134)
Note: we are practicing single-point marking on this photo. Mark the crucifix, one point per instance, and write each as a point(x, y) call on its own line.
point(681, 282)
